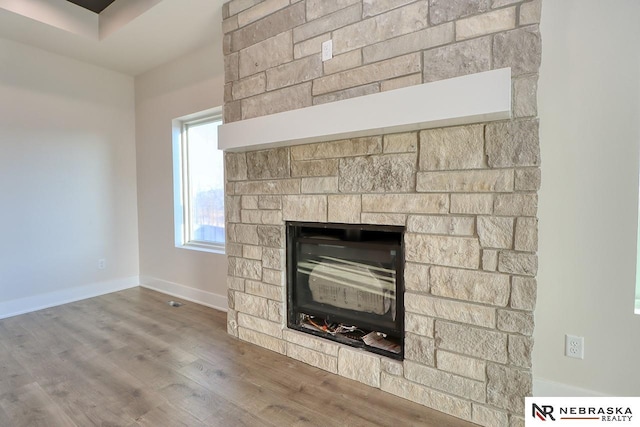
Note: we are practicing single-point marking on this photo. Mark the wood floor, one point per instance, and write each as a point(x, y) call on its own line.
point(128, 359)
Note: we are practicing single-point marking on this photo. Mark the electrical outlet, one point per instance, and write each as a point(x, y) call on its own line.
point(574, 346)
point(327, 50)
point(102, 264)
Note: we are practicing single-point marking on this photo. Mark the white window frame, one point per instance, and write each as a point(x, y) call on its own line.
point(180, 177)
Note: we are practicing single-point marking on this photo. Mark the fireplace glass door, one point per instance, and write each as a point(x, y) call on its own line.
point(345, 283)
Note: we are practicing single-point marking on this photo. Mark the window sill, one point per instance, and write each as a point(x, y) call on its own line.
point(220, 250)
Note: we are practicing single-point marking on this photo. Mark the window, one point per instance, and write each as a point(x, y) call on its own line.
point(198, 183)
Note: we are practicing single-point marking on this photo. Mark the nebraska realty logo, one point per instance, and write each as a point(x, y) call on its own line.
point(589, 410)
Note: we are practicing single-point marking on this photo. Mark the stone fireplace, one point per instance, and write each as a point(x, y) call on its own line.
point(466, 194)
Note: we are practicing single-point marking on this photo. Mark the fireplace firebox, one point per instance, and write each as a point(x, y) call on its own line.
point(345, 283)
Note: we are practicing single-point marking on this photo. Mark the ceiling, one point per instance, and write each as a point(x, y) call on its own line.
point(96, 6)
point(128, 36)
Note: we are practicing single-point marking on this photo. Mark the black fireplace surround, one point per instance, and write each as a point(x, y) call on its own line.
point(345, 283)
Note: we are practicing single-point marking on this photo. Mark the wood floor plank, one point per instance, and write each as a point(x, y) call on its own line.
point(128, 359)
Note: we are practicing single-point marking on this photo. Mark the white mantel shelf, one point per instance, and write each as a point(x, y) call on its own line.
point(462, 100)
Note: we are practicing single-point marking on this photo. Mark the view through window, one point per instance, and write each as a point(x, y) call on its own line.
point(202, 184)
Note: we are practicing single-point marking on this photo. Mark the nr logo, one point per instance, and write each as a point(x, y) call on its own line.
point(542, 412)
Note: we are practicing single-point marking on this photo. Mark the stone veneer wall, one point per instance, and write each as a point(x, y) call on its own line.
point(467, 195)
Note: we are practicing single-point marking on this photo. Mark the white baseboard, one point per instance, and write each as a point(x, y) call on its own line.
point(209, 299)
point(51, 299)
point(545, 388)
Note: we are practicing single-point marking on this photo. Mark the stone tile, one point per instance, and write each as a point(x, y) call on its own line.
point(376, 7)
point(470, 285)
point(314, 343)
point(232, 322)
point(481, 343)
point(489, 260)
point(395, 67)
point(237, 6)
point(400, 142)
point(260, 10)
point(525, 96)
point(231, 67)
point(232, 208)
point(436, 224)
point(232, 111)
point(276, 310)
point(259, 325)
point(461, 365)
point(313, 358)
point(360, 366)
point(344, 208)
point(418, 325)
point(416, 277)
point(320, 8)
point(245, 233)
point(229, 24)
point(444, 381)
point(231, 299)
point(233, 249)
point(249, 269)
point(422, 395)
point(400, 82)
point(394, 23)
point(252, 252)
point(277, 101)
point(472, 204)
point(282, 186)
point(489, 417)
point(266, 54)
point(449, 10)
point(526, 238)
point(268, 164)
point(442, 250)
point(530, 12)
point(486, 23)
point(459, 59)
point(453, 148)
point(249, 202)
point(249, 86)
point(271, 236)
point(251, 304)
point(291, 73)
point(419, 349)
point(392, 367)
point(456, 311)
point(228, 92)
point(235, 166)
point(413, 42)
point(273, 277)
point(310, 47)
point(520, 349)
point(519, 49)
point(495, 232)
point(520, 204)
point(372, 174)
point(319, 185)
point(501, 3)
point(272, 292)
point(252, 35)
point(405, 203)
point(346, 61)
point(262, 340)
point(305, 208)
point(527, 179)
point(516, 421)
point(273, 258)
point(383, 219)
point(327, 167)
point(235, 283)
point(520, 322)
point(518, 263)
point(513, 143)
point(272, 217)
point(338, 149)
point(269, 202)
point(507, 387)
point(328, 23)
point(475, 181)
point(347, 94)
point(523, 293)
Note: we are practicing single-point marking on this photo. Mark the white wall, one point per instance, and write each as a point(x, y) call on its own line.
point(589, 110)
point(67, 179)
point(187, 85)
